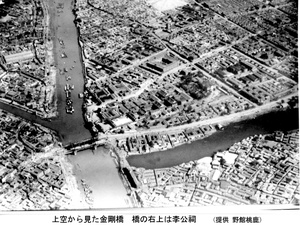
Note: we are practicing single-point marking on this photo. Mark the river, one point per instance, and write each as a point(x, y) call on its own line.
point(221, 140)
point(96, 168)
point(70, 127)
point(99, 171)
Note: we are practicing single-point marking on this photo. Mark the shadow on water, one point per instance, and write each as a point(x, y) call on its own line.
point(221, 140)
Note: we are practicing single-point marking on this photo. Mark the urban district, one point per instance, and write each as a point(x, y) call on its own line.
point(156, 76)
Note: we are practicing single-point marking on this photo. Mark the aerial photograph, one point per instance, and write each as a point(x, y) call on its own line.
point(123, 104)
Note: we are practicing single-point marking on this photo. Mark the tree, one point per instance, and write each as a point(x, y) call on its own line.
point(222, 161)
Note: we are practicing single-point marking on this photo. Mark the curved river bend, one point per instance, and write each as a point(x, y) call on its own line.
point(221, 140)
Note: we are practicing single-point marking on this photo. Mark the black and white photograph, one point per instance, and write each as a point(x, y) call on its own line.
point(149, 112)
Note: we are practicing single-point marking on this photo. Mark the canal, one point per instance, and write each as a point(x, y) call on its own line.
point(221, 140)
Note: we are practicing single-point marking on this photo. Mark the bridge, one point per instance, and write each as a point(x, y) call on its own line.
point(90, 144)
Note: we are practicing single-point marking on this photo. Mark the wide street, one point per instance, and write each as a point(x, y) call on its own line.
point(259, 110)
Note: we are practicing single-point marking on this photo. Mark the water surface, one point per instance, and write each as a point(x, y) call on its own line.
point(221, 140)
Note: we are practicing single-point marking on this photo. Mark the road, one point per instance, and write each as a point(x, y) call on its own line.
point(221, 119)
point(257, 110)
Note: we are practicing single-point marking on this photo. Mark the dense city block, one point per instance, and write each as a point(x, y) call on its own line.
point(182, 66)
point(87, 84)
point(27, 70)
point(261, 169)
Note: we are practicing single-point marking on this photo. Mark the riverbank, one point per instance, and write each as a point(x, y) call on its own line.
point(230, 177)
point(74, 189)
point(221, 140)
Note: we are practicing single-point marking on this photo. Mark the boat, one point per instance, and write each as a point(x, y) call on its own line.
point(68, 94)
point(220, 127)
point(67, 87)
point(64, 55)
point(69, 101)
point(69, 109)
